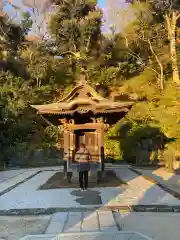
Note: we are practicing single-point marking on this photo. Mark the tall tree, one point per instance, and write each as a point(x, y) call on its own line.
point(167, 11)
point(171, 12)
point(76, 28)
point(143, 37)
point(39, 11)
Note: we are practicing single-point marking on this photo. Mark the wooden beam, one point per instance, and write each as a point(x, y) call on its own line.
point(85, 126)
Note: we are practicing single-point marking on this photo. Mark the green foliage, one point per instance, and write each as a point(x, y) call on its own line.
point(76, 25)
point(123, 141)
point(106, 75)
point(157, 116)
point(51, 136)
point(26, 22)
point(29, 74)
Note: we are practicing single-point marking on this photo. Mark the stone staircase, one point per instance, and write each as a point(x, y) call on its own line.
point(88, 225)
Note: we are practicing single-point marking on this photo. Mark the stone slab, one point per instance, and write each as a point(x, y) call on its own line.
point(90, 222)
point(159, 226)
point(124, 235)
point(73, 222)
point(59, 217)
point(106, 220)
point(57, 223)
point(55, 228)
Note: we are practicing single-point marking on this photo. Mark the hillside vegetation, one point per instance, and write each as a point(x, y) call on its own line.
point(140, 63)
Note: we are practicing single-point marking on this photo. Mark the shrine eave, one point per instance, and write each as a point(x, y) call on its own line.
point(83, 99)
point(84, 111)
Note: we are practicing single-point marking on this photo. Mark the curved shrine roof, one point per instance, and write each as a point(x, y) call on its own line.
point(82, 99)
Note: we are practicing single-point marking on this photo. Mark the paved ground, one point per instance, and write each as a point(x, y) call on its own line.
point(19, 190)
point(27, 195)
point(159, 226)
point(168, 179)
point(9, 174)
point(14, 228)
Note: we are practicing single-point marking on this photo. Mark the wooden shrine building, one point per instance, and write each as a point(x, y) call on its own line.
point(84, 116)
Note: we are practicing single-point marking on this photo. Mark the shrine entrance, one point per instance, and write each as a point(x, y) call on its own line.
point(92, 135)
point(90, 139)
point(83, 116)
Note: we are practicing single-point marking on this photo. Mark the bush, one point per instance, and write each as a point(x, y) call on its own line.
point(155, 117)
point(134, 141)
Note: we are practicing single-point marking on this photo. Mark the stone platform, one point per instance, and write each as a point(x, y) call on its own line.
point(123, 235)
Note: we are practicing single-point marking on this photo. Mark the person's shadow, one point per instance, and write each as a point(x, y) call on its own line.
point(89, 197)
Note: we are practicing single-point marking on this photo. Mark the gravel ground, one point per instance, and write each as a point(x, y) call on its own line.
point(14, 228)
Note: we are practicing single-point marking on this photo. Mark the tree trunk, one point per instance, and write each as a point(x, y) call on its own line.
point(171, 25)
point(161, 75)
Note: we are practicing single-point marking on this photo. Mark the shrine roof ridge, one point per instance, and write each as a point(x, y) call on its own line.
point(78, 88)
point(83, 98)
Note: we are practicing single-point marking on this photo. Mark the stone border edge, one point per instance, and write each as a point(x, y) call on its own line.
point(42, 236)
point(123, 209)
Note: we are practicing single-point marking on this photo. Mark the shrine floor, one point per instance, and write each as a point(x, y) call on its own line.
point(24, 209)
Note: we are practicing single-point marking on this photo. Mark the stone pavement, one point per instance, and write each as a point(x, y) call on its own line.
point(163, 177)
point(116, 221)
point(19, 190)
point(16, 227)
point(26, 194)
point(5, 175)
point(90, 221)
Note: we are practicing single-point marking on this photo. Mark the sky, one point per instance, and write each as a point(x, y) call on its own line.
point(10, 10)
point(101, 3)
point(109, 8)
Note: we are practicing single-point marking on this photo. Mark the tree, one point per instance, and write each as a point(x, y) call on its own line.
point(143, 37)
point(76, 29)
point(171, 10)
point(39, 11)
point(152, 37)
point(168, 11)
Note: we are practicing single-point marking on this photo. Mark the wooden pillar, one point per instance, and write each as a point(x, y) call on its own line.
point(101, 153)
point(72, 147)
point(96, 146)
point(102, 149)
point(66, 150)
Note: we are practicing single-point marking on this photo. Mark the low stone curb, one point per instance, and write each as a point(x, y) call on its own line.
point(49, 211)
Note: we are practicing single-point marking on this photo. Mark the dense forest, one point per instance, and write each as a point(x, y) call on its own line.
point(140, 62)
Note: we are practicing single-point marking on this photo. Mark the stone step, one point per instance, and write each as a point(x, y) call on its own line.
point(122, 235)
point(89, 221)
